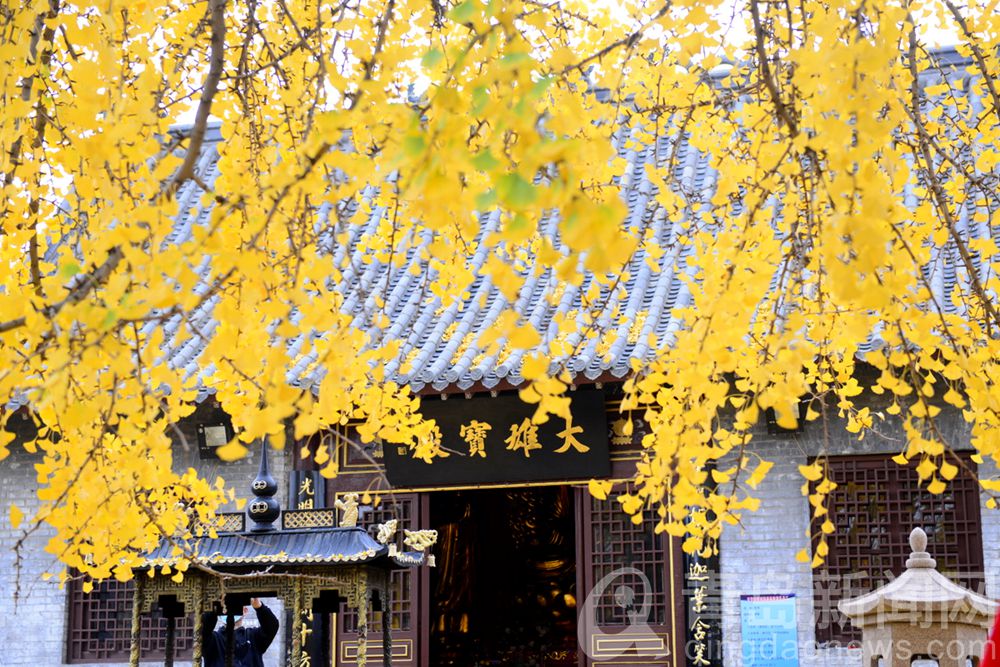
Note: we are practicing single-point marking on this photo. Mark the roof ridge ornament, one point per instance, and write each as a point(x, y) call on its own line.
point(264, 509)
point(918, 546)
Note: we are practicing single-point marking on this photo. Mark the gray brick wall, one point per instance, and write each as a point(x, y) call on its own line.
point(34, 631)
point(991, 534)
point(33, 628)
point(759, 555)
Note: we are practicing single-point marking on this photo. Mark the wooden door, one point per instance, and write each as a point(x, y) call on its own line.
point(408, 626)
point(631, 604)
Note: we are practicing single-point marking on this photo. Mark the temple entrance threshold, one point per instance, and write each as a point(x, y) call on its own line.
point(504, 589)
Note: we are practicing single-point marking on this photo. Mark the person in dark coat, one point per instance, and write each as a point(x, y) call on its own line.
point(249, 643)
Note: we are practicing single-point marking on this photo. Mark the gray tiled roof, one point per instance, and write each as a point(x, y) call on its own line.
point(431, 335)
point(440, 343)
point(320, 546)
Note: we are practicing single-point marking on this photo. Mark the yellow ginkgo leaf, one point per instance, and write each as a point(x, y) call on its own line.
point(599, 488)
point(231, 451)
point(525, 337)
point(811, 472)
point(757, 476)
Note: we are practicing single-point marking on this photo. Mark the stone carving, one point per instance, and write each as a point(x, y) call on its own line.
point(387, 530)
point(349, 506)
point(420, 539)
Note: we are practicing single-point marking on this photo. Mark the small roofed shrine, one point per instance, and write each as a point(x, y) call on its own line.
point(921, 614)
point(304, 557)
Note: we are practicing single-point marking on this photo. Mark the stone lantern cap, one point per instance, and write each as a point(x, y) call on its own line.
point(921, 589)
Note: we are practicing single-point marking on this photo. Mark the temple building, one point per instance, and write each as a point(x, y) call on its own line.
point(524, 553)
point(529, 568)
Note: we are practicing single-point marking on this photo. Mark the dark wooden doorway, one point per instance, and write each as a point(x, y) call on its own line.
point(504, 591)
point(514, 569)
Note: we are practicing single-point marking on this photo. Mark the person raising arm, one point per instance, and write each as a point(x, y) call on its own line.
point(249, 644)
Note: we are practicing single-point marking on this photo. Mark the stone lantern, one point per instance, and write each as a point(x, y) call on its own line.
point(921, 617)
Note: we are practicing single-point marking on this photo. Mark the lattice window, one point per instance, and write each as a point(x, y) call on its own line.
point(875, 506)
point(617, 543)
point(402, 603)
point(100, 626)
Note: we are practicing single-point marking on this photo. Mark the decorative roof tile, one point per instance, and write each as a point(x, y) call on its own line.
point(439, 345)
point(317, 546)
point(439, 348)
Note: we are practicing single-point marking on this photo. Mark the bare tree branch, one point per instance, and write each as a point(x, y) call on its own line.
point(217, 58)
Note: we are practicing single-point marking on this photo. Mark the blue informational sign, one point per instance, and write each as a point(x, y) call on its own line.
point(769, 630)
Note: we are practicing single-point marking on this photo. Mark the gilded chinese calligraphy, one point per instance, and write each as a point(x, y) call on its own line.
point(474, 433)
point(700, 633)
point(523, 437)
point(306, 630)
point(307, 495)
point(306, 627)
point(703, 631)
point(431, 443)
point(698, 599)
point(568, 436)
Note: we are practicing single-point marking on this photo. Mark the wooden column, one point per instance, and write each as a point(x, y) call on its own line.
point(359, 599)
point(199, 606)
point(136, 623)
point(363, 628)
point(295, 656)
point(386, 626)
point(168, 651)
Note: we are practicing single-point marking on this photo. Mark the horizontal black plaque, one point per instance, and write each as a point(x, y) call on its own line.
point(492, 440)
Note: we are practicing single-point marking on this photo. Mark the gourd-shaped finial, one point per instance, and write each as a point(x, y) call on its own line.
point(263, 509)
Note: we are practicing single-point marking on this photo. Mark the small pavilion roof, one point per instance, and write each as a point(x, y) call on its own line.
point(919, 588)
point(300, 538)
point(311, 546)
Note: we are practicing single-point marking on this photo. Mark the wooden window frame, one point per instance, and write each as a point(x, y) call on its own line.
point(876, 505)
point(110, 604)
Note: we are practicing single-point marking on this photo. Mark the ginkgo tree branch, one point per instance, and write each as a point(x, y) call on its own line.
point(988, 78)
point(760, 45)
point(627, 41)
point(217, 59)
point(938, 194)
point(186, 170)
point(773, 232)
point(90, 282)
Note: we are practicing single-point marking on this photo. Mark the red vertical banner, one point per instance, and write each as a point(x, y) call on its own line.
point(990, 657)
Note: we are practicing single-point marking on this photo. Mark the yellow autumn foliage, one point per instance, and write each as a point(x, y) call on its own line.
point(845, 152)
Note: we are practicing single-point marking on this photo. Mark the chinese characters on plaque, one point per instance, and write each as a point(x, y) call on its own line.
point(307, 490)
point(474, 433)
point(523, 438)
point(703, 602)
point(494, 439)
